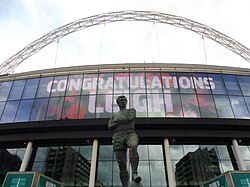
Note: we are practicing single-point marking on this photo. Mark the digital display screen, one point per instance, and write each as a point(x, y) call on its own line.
point(152, 94)
point(145, 92)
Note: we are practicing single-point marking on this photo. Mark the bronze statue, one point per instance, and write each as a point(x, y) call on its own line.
point(124, 136)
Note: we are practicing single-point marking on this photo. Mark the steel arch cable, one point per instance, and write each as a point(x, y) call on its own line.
point(148, 16)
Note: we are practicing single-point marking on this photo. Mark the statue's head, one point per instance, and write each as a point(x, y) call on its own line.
point(122, 101)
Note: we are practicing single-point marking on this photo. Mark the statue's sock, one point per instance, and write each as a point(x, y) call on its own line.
point(134, 165)
point(124, 176)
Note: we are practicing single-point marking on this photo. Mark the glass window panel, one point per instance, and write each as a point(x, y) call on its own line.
point(75, 164)
point(9, 162)
point(207, 107)
point(24, 110)
point(115, 107)
point(226, 166)
point(76, 148)
point(247, 100)
point(30, 89)
point(211, 165)
point(143, 152)
point(173, 105)
point(214, 150)
point(223, 152)
point(61, 162)
point(44, 87)
point(170, 83)
point(2, 104)
point(106, 152)
point(54, 161)
point(157, 172)
point(143, 170)
point(153, 82)
point(121, 83)
point(176, 152)
point(55, 108)
point(217, 84)
point(198, 165)
point(103, 106)
point(9, 112)
point(105, 83)
point(139, 103)
point(70, 107)
point(74, 85)
point(186, 83)
point(17, 90)
point(41, 154)
point(247, 164)
point(155, 152)
point(4, 90)
point(59, 86)
point(190, 148)
point(87, 107)
point(104, 173)
point(174, 166)
point(51, 166)
point(202, 83)
point(190, 105)
point(232, 85)
point(223, 106)
point(39, 109)
point(209, 147)
point(245, 152)
point(137, 83)
point(179, 173)
point(86, 151)
point(156, 106)
point(12, 151)
point(38, 167)
point(244, 82)
point(116, 175)
point(239, 107)
point(89, 85)
point(20, 152)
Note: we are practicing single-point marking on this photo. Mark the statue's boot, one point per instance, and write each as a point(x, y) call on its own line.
point(136, 178)
point(124, 176)
point(134, 165)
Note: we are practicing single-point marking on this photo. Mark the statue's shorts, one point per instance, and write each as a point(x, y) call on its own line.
point(122, 140)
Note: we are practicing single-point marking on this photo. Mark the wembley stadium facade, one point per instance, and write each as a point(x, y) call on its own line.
point(192, 122)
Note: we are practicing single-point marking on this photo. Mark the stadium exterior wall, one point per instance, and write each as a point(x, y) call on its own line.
point(200, 110)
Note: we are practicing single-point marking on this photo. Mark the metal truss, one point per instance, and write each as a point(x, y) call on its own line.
point(156, 17)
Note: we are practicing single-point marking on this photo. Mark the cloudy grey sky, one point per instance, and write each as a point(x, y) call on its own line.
point(23, 21)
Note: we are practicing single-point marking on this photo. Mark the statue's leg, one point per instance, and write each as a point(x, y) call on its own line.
point(134, 156)
point(122, 162)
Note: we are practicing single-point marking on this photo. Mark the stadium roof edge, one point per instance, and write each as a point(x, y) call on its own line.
point(125, 67)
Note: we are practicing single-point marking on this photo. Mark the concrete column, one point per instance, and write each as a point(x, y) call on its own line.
point(242, 165)
point(171, 178)
point(26, 157)
point(93, 164)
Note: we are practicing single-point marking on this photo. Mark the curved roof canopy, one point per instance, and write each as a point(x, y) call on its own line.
point(149, 16)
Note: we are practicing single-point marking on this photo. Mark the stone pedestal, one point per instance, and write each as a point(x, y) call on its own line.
point(134, 184)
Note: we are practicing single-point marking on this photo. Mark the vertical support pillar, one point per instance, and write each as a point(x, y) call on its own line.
point(171, 178)
point(93, 163)
point(242, 165)
point(26, 157)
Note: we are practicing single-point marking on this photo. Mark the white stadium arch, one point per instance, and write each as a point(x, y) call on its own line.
point(149, 16)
